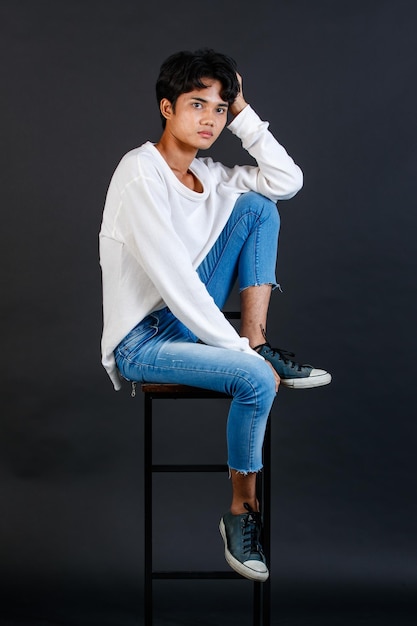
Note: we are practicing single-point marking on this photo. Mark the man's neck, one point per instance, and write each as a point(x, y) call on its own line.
point(178, 157)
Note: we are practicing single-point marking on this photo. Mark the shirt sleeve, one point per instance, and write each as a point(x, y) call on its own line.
point(276, 175)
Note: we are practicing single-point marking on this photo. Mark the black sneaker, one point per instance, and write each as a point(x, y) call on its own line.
point(293, 374)
point(242, 547)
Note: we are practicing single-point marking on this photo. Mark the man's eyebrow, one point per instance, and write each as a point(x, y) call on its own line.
point(221, 104)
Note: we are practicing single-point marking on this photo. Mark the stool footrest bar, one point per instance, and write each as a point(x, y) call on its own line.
point(190, 468)
point(190, 575)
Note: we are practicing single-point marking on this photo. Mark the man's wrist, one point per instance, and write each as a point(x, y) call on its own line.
point(238, 105)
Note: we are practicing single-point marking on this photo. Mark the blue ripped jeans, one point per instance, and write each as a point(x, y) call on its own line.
point(161, 349)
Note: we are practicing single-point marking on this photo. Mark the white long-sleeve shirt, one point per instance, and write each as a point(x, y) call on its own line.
point(156, 231)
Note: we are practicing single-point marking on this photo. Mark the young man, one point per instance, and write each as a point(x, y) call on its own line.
point(177, 232)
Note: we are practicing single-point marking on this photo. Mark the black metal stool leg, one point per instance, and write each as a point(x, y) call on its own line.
point(266, 499)
point(148, 591)
point(262, 591)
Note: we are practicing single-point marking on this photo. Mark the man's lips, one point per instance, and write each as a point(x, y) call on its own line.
point(205, 133)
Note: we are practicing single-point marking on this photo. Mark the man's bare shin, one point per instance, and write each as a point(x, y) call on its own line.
point(244, 490)
point(254, 302)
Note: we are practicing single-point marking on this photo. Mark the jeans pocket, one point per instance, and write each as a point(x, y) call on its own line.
point(138, 337)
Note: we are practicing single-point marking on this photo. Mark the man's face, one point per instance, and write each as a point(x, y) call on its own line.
point(200, 116)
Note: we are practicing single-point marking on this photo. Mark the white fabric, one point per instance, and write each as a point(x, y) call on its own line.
point(156, 231)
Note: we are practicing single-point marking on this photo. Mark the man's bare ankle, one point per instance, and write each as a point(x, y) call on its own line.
point(238, 509)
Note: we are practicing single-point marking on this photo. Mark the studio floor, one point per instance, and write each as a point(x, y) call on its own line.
point(317, 617)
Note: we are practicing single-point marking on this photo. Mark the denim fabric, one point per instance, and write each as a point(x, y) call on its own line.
point(245, 250)
point(161, 349)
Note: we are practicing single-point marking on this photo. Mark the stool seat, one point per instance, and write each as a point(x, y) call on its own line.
point(164, 387)
point(177, 390)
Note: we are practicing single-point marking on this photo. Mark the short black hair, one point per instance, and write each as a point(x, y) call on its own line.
point(184, 71)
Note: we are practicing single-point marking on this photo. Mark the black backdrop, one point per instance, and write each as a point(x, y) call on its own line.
point(336, 80)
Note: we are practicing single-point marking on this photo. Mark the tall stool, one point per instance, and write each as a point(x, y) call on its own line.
point(261, 591)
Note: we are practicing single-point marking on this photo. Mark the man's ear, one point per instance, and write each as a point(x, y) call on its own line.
point(166, 108)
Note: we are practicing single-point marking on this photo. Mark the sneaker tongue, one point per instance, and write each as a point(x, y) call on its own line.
point(252, 517)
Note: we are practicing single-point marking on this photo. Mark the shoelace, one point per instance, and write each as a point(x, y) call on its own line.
point(251, 526)
point(284, 355)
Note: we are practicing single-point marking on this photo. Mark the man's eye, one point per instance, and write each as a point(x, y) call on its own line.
point(221, 110)
point(196, 105)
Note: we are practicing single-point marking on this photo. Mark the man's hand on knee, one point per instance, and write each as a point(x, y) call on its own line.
point(277, 378)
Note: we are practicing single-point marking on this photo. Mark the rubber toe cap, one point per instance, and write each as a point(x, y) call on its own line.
point(257, 566)
point(317, 372)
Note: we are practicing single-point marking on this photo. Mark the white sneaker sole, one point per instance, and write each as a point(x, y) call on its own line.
point(236, 565)
point(307, 383)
